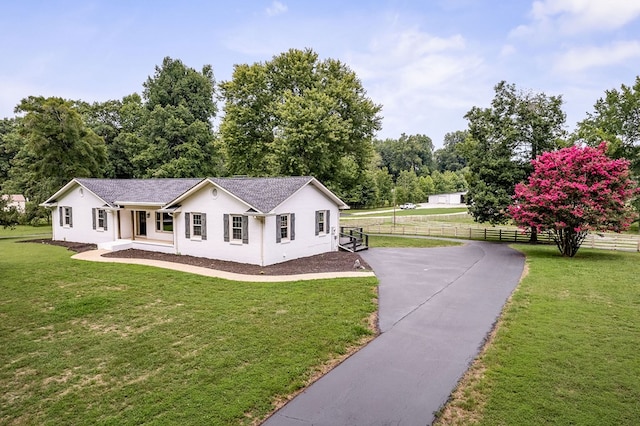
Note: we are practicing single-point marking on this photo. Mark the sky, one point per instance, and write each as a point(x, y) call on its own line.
point(425, 62)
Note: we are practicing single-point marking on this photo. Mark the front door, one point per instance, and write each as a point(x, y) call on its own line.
point(142, 223)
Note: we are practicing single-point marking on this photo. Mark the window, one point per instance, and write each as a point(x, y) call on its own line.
point(284, 227)
point(197, 225)
point(164, 222)
point(99, 219)
point(236, 228)
point(323, 222)
point(102, 218)
point(66, 217)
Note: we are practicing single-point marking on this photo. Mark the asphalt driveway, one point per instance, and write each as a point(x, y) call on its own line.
point(436, 308)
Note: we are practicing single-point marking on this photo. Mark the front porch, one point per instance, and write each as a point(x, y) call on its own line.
point(139, 244)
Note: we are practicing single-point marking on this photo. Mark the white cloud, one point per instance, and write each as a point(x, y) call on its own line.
point(276, 8)
point(580, 16)
point(424, 82)
point(581, 59)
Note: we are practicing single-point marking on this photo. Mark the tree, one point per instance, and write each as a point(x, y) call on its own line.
point(616, 118)
point(408, 188)
point(119, 123)
point(408, 153)
point(448, 157)
point(503, 139)
point(298, 115)
point(176, 135)
point(574, 191)
point(9, 216)
point(57, 146)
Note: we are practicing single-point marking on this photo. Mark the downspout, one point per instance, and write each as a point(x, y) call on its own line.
point(175, 232)
point(262, 220)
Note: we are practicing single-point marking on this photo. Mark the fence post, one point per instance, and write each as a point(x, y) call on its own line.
point(485, 234)
point(500, 235)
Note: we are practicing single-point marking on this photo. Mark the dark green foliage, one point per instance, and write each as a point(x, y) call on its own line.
point(298, 115)
point(502, 141)
point(56, 147)
point(408, 153)
point(175, 137)
point(448, 157)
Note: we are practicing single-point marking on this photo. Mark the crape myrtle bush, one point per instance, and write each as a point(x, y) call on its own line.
point(573, 191)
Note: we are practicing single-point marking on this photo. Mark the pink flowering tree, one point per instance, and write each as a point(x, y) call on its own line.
point(573, 191)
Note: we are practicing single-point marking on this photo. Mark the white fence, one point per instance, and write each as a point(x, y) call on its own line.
point(424, 226)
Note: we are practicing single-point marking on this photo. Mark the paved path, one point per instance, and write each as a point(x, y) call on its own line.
point(436, 308)
point(96, 256)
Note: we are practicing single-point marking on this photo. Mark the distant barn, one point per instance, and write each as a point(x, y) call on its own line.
point(451, 198)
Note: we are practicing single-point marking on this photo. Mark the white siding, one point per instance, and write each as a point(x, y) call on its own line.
point(214, 246)
point(304, 204)
point(82, 202)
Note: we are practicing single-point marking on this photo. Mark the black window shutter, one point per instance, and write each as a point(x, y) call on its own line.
point(327, 222)
point(317, 222)
point(187, 225)
point(278, 239)
point(245, 229)
point(105, 219)
point(292, 226)
point(225, 227)
point(61, 214)
point(70, 217)
point(204, 225)
point(93, 217)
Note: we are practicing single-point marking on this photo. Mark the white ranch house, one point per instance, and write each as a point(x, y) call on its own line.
point(259, 221)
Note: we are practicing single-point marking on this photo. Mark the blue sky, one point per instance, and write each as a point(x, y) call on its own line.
point(426, 62)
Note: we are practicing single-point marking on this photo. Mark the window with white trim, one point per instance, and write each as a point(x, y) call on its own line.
point(321, 222)
point(284, 227)
point(196, 221)
point(67, 219)
point(164, 222)
point(236, 228)
point(102, 218)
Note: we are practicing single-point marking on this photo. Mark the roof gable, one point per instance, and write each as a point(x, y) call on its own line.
point(138, 191)
point(263, 194)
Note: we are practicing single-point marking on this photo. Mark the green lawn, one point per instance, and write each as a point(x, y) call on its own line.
point(21, 231)
point(566, 351)
point(412, 212)
point(388, 241)
point(90, 343)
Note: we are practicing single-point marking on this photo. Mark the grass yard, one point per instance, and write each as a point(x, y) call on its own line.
point(391, 241)
point(412, 212)
point(84, 343)
point(21, 231)
point(566, 350)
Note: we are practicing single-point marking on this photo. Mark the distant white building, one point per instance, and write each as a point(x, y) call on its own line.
point(451, 198)
point(16, 200)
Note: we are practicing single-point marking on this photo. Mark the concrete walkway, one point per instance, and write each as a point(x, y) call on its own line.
point(96, 256)
point(437, 306)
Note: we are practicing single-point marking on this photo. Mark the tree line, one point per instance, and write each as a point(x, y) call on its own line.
point(297, 115)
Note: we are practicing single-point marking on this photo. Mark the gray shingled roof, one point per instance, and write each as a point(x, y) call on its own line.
point(265, 193)
point(154, 191)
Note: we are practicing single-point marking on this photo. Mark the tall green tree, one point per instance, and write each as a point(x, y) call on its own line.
point(615, 119)
point(407, 153)
point(503, 139)
point(176, 136)
point(119, 123)
point(57, 146)
point(448, 157)
point(299, 115)
point(9, 146)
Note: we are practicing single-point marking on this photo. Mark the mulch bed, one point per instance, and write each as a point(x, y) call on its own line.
point(337, 261)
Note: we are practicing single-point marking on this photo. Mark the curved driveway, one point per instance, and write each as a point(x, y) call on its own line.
point(436, 308)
